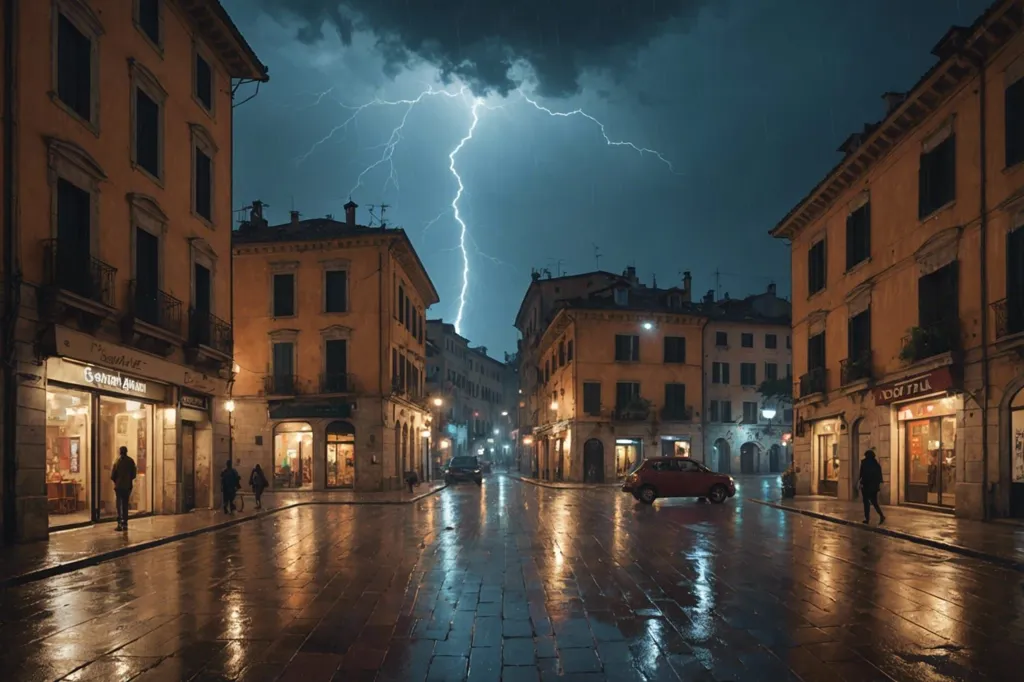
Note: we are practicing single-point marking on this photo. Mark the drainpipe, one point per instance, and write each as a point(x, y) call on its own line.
point(983, 250)
point(12, 278)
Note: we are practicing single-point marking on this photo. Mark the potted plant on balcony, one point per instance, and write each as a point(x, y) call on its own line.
point(636, 409)
point(924, 342)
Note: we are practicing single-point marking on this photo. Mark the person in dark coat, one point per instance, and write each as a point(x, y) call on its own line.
point(123, 475)
point(258, 483)
point(870, 483)
point(230, 482)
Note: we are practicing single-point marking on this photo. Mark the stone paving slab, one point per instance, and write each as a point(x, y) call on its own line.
point(72, 549)
point(997, 542)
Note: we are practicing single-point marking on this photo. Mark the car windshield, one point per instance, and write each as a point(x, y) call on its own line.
point(463, 462)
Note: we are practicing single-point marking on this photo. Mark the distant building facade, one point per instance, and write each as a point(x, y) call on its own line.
point(117, 291)
point(618, 378)
point(330, 349)
point(908, 288)
point(746, 342)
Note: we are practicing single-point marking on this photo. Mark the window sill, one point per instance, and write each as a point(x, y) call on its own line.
point(816, 293)
point(282, 317)
point(941, 209)
point(336, 312)
point(153, 178)
point(93, 128)
point(157, 47)
point(859, 265)
point(202, 107)
point(1009, 170)
point(203, 219)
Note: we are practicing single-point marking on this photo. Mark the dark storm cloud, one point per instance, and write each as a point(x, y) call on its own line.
point(477, 40)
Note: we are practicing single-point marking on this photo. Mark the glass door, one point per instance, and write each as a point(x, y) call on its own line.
point(341, 453)
point(931, 461)
point(828, 468)
point(124, 423)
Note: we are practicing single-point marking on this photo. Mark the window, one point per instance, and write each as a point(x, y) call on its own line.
point(1014, 283)
point(204, 82)
point(203, 177)
point(75, 68)
point(336, 291)
point(937, 177)
point(568, 355)
point(335, 366)
point(284, 295)
point(749, 412)
point(627, 348)
point(816, 352)
point(858, 236)
point(1013, 119)
point(747, 340)
point(721, 339)
point(626, 393)
point(748, 374)
point(561, 353)
point(675, 350)
point(789, 370)
point(771, 341)
point(621, 296)
point(720, 372)
point(675, 401)
point(771, 371)
point(938, 300)
point(401, 305)
point(147, 18)
point(713, 411)
point(787, 415)
point(725, 408)
point(147, 133)
point(816, 268)
point(858, 341)
point(407, 320)
point(789, 342)
point(592, 398)
point(283, 359)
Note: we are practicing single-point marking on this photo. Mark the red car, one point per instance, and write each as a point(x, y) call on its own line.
point(677, 477)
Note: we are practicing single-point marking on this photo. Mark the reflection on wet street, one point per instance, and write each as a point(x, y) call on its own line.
point(514, 582)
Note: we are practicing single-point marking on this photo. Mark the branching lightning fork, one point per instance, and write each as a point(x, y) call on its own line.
point(475, 104)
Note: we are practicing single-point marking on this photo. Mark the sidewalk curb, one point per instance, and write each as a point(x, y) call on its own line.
point(103, 557)
point(916, 539)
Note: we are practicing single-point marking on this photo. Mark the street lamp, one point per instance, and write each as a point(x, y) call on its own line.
point(438, 402)
point(768, 413)
point(554, 404)
point(504, 413)
point(497, 431)
point(230, 407)
point(648, 326)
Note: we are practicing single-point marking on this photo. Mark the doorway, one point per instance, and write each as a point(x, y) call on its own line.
point(627, 456)
point(1017, 454)
point(931, 461)
point(341, 455)
point(723, 455)
point(828, 464)
point(748, 458)
point(773, 459)
point(593, 461)
point(188, 465)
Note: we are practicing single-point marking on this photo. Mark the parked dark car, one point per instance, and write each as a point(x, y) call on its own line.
point(677, 477)
point(463, 469)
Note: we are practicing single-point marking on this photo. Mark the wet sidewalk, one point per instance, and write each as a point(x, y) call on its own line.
point(69, 550)
point(998, 542)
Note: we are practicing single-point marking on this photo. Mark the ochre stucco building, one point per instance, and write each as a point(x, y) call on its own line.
point(117, 233)
point(908, 288)
point(330, 352)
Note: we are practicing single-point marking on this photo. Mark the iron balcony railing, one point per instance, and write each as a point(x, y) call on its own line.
point(155, 307)
point(280, 384)
point(677, 414)
point(631, 413)
point(813, 382)
point(336, 382)
point(1009, 316)
point(856, 367)
point(209, 330)
point(67, 268)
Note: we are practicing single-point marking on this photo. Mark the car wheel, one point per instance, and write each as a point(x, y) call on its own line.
point(647, 495)
point(718, 494)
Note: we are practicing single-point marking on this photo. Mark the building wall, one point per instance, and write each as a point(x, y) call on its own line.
point(763, 433)
point(592, 333)
point(96, 155)
point(903, 247)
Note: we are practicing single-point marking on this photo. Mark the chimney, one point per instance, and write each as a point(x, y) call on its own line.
point(350, 213)
point(687, 281)
point(771, 288)
point(256, 214)
point(710, 296)
point(295, 217)
point(630, 274)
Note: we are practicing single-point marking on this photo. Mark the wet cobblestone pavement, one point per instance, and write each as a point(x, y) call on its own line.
point(517, 582)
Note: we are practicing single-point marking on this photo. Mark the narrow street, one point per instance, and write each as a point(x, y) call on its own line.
point(515, 582)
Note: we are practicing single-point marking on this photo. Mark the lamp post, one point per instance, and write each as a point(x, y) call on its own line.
point(438, 402)
point(230, 407)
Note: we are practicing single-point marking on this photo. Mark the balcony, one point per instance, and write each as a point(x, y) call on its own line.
point(813, 383)
point(927, 342)
point(153, 322)
point(855, 368)
point(76, 284)
point(677, 414)
point(1009, 317)
point(636, 411)
point(337, 382)
point(210, 340)
point(280, 384)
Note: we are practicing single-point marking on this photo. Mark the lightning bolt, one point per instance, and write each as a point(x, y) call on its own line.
point(388, 151)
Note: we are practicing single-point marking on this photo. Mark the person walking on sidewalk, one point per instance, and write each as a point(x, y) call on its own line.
point(258, 483)
point(230, 482)
point(123, 475)
point(870, 483)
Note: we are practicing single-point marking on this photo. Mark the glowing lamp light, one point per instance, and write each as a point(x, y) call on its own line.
point(445, 444)
point(768, 412)
point(425, 433)
point(230, 406)
point(554, 404)
point(648, 326)
point(490, 440)
point(504, 413)
point(496, 432)
point(527, 440)
point(438, 402)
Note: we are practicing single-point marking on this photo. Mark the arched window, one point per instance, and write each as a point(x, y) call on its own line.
point(293, 455)
point(341, 455)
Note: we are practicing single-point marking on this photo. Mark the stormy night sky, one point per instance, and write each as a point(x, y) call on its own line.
point(745, 100)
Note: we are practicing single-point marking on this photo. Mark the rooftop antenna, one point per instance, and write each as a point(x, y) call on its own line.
point(373, 216)
point(597, 257)
point(718, 284)
point(558, 265)
point(383, 208)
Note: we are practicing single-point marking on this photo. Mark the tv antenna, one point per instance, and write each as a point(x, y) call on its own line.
point(597, 257)
point(558, 265)
point(380, 218)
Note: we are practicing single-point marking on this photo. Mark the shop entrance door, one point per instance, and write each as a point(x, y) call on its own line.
point(828, 467)
point(931, 461)
point(188, 466)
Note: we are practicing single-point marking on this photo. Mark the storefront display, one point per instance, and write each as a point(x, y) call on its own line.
point(929, 429)
point(826, 452)
point(293, 455)
point(628, 452)
point(675, 446)
point(341, 455)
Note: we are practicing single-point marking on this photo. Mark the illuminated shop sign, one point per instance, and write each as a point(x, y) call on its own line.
point(113, 381)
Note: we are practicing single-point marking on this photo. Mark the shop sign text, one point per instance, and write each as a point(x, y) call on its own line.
point(913, 387)
point(113, 381)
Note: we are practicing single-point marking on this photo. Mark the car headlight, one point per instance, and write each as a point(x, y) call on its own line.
point(732, 480)
point(476, 471)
